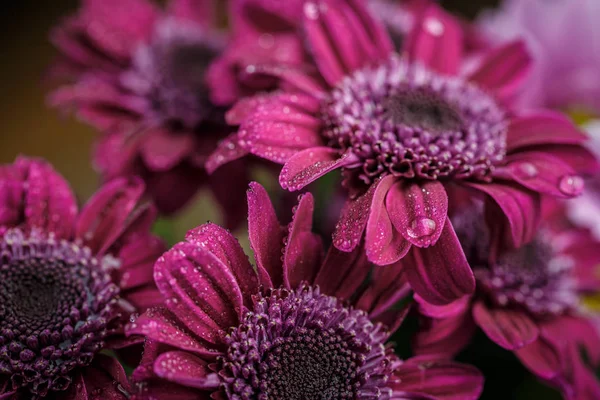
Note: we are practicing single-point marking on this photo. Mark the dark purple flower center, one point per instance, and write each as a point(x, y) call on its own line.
point(533, 277)
point(170, 74)
point(403, 119)
point(303, 345)
point(56, 299)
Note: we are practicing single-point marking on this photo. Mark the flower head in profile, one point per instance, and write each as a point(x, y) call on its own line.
point(69, 280)
point(530, 300)
point(564, 39)
point(138, 74)
point(407, 130)
point(295, 327)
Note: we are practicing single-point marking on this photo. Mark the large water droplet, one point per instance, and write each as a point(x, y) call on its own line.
point(571, 185)
point(421, 227)
point(527, 171)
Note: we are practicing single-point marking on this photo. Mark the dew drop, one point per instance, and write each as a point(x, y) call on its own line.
point(571, 185)
point(434, 26)
point(527, 170)
point(421, 227)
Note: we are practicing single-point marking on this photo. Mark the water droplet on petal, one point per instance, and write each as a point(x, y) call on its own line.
point(421, 227)
point(434, 26)
point(311, 10)
point(527, 170)
point(571, 185)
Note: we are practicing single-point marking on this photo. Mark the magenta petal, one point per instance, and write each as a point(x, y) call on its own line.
point(310, 164)
point(542, 128)
point(137, 260)
point(228, 149)
point(202, 12)
point(383, 243)
point(509, 329)
point(228, 186)
point(519, 209)
point(353, 220)
point(162, 150)
point(303, 250)
point(544, 173)
point(578, 157)
point(443, 380)
point(199, 289)
point(186, 369)
point(444, 337)
point(541, 358)
point(387, 286)
point(436, 41)
point(106, 376)
point(162, 326)
point(266, 236)
point(105, 215)
point(504, 69)
point(49, 203)
point(418, 210)
point(223, 245)
point(342, 273)
point(440, 274)
point(443, 311)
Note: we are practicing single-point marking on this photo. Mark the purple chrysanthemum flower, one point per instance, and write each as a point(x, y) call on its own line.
point(139, 75)
point(296, 327)
point(407, 130)
point(68, 282)
point(564, 39)
point(528, 300)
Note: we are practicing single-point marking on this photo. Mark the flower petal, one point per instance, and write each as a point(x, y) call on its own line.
point(162, 150)
point(544, 173)
point(202, 12)
point(48, 201)
point(223, 245)
point(228, 186)
point(303, 250)
point(541, 358)
point(106, 375)
point(504, 69)
point(383, 243)
point(508, 328)
point(186, 369)
point(436, 40)
point(342, 273)
point(442, 380)
point(161, 325)
point(308, 165)
point(105, 215)
point(542, 128)
point(513, 214)
point(418, 210)
point(266, 236)
point(200, 290)
point(386, 287)
point(440, 274)
point(444, 337)
point(228, 149)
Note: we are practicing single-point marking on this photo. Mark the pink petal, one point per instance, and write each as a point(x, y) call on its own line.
point(541, 358)
point(513, 213)
point(223, 245)
point(228, 149)
point(436, 40)
point(418, 210)
point(48, 201)
point(440, 274)
point(442, 380)
point(542, 128)
point(202, 12)
point(200, 290)
point(266, 236)
point(308, 165)
point(353, 220)
point(12, 189)
point(292, 79)
point(303, 250)
point(228, 186)
point(383, 243)
point(504, 69)
point(162, 326)
point(106, 376)
point(342, 273)
point(579, 158)
point(509, 329)
point(544, 173)
point(444, 337)
point(162, 150)
point(137, 261)
point(105, 215)
point(186, 369)
point(386, 287)
point(457, 307)
point(370, 33)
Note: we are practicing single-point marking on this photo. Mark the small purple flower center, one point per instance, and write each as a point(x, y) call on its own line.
point(170, 74)
point(303, 345)
point(533, 277)
point(403, 119)
point(56, 299)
